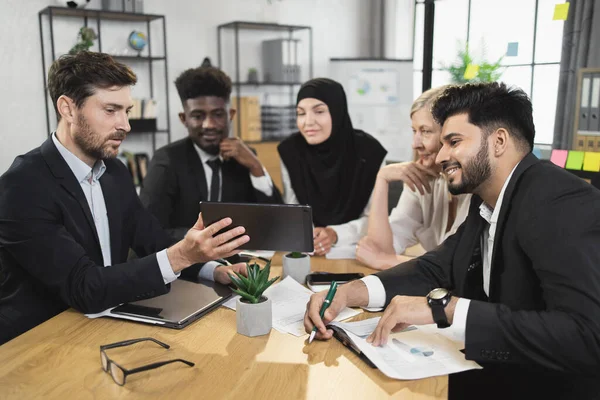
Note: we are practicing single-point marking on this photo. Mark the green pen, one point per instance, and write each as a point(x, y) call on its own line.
point(326, 303)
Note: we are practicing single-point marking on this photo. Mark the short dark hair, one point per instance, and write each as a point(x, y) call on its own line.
point(490, 106)
point(203, 81)
point(79, 75)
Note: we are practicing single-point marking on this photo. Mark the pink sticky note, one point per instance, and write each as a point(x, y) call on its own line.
point(559, 157)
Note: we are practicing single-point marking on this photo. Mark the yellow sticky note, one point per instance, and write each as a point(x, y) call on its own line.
point(561, 11)
point(471, 71)
point(591, 162)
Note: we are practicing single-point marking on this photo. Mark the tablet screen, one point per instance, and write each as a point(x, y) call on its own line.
point(275, 227)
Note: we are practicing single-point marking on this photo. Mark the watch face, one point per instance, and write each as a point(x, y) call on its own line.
point(437, 294)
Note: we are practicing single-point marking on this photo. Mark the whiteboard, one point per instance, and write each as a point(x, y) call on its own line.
point(380, 95)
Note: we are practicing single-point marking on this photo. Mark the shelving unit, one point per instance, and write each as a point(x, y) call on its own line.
point(138, 126)
point(237, 27)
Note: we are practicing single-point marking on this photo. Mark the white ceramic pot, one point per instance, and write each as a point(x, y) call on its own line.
point(297, 268)
point(254, 319)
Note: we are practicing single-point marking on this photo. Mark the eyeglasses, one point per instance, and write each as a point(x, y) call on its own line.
point(118, 373)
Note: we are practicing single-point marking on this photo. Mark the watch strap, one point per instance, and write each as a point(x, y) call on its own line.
point(439, 315)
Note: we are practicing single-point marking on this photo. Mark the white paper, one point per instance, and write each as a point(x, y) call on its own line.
point(342, 252)
point(289, 299)
point(415, 353)
point(107, 313)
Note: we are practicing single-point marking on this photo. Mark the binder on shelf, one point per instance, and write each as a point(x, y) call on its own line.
point(148, 108)
point(597, 144)
point(594, 121)
point(249, 118)
point(579, 143)
point(590, 143)
point(584, 109)
point(279, 58)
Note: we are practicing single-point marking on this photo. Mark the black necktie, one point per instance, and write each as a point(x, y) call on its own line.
point(215, 182)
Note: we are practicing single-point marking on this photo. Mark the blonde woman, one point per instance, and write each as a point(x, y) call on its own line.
point(426, 212)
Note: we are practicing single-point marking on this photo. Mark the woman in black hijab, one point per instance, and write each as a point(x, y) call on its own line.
point(328, 164)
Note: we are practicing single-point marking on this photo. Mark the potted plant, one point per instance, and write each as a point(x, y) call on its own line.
point(296, 265)
point(485, 71)
point(252, 75)
point(86, 38)
point(253, 310)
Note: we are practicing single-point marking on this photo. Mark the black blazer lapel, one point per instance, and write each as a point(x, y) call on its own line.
point(497, 264)
point(469, 256)
point(61, 171)
point(110, 191)
point(196, 171)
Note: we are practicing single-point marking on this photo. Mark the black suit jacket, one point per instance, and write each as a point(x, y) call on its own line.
point(175, 185)
point(50, 255)
point(538, 334)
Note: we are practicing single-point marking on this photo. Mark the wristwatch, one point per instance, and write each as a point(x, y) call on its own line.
point(438, 299)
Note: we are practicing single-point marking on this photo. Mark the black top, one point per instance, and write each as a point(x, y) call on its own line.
point(335, 177)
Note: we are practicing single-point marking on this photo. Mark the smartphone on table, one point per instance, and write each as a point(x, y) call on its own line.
point(319, 281)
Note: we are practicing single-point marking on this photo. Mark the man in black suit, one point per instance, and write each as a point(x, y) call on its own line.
point(520, 280)
point(208, 165)
point(69, 212)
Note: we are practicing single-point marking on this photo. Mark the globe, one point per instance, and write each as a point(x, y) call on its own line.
point(137, 40)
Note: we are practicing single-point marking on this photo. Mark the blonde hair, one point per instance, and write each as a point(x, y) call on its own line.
point(427, 98)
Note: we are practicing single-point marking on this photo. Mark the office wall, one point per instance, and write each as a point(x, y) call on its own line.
point(339, 30)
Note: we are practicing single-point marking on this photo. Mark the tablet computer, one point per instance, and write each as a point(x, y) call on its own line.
point(275, 227)
point(182, 305)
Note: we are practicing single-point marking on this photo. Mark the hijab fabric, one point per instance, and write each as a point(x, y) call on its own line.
point(335, 177)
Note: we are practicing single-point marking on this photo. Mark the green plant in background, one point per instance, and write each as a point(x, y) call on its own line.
point(252, 287)
point(86, 38)
point(486, 71)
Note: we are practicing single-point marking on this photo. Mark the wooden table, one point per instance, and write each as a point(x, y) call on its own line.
point(61, 359)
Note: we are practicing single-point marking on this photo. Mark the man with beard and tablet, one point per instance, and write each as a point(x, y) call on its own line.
point(519, 282)
point(69, 212)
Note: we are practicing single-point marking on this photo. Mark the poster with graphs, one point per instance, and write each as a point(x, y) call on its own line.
point(380, 94)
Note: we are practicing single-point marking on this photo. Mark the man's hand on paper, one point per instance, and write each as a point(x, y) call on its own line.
point(353, 294)
point(404, 311)
point(313, 318)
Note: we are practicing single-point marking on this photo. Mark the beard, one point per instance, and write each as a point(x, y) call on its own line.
point(92, 144)
point(475, 171)
point(212, 147)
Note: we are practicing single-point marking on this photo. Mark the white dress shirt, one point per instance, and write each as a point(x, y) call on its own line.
point(263, 184)
point(490, 215)
point(88, 179)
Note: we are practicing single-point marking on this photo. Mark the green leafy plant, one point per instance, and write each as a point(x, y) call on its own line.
point(86, 40)
point(487, 72)
point(296, 254)
point(252, 287)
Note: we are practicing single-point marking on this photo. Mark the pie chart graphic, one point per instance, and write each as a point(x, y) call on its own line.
point(421, 351)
